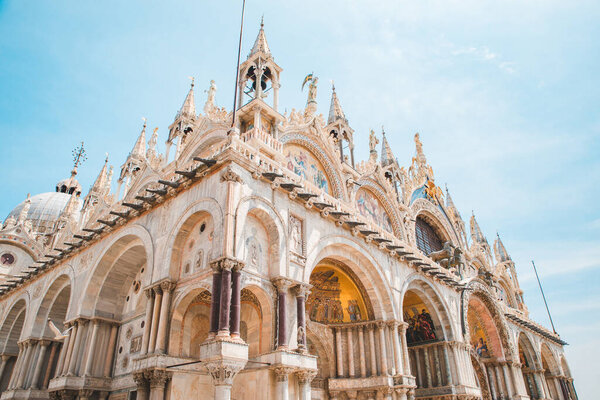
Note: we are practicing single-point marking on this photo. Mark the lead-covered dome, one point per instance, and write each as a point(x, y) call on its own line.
point(45, 209)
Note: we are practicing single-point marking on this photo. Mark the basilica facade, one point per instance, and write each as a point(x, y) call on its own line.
point(259, 260)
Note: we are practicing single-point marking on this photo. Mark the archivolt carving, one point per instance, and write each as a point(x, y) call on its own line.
point(422, 206)
point(387, 205)
point(321, 156)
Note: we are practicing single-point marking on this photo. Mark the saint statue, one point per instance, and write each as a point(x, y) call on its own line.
point(312, 91)
point(210, 99)
point(373, 142)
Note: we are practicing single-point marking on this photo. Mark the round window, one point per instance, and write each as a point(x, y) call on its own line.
point(7, 259)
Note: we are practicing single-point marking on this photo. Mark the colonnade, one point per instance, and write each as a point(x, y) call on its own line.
point(157, 320)
point(33, 366)
point(431, 364)
point(367, 349)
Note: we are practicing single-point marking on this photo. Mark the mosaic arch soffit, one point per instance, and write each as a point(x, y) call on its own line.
point(317, 152)
point(381, 201)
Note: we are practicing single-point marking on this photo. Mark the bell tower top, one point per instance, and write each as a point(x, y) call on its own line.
point(259, 74)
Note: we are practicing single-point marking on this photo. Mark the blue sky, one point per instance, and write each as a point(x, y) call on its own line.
point(504, 94)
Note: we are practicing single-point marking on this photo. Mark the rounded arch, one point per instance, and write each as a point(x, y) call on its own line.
point(128, 255)
point(434, 302)
point(317, 151)
point(527, 349)
point(54, 305)
point(256, 319)
point(271, 220)
point(189, 218)
point(12, 327)
point(549, 360)
point(204, 144)
point(476, 288)
point(360, 261)
point(435, 216)
point(368, 185)
point(190, 321)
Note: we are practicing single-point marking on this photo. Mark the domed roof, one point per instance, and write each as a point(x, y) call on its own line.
point(45, 210)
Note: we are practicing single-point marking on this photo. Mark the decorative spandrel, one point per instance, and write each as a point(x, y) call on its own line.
point(370, 207)
point(302, 162)
point(334, 297)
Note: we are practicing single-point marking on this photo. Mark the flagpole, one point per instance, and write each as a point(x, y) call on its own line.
point(237, 71)
point(543, 296)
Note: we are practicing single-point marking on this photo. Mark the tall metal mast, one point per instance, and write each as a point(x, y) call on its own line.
point(543, 296)
point(237, 71)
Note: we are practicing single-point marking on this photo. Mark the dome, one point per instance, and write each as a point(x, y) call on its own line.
point(45, 210)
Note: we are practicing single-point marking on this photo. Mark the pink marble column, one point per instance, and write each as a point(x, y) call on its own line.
point(301, 293)
point(236, 299)
point(282, 286)
point(225, 308)
point(215, 304)
point(163, 323)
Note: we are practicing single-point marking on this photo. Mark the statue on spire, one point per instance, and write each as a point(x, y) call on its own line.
point(373, 142)
point(210, 99)
point(311, 102)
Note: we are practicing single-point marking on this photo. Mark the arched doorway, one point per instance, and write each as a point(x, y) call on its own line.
point(427, 333)
point(342, 331)
point(528, 360)
point(10, 333)
point(488, 352)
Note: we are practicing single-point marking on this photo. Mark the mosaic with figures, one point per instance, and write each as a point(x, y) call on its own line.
point(303, 163)
point(370, 207)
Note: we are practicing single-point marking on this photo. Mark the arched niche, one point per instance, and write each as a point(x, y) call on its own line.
point(483, 333)
point(265, 253)
point(10, 333)
point(371, 207)
point(190, 324)
point(54, 306)
point(303, 162)
point(193, 245)
point(337, 295)
point(529, 365)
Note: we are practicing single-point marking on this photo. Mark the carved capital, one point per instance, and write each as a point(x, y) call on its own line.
point(140, 379)
point(281, 373)
point(157, 290)
point(282, 284)
point(167, 286)
point(85, 393)
point(157, 377)
point(302, 290)
point(306, 375)
point(223, 372)
point(226, 263)
point(231, 176)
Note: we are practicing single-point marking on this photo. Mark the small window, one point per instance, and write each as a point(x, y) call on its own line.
point(428, 240)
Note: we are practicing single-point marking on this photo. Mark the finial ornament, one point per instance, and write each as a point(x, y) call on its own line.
point(79, 157)
point(106, 157)
point(192, 79)
point(262, 21)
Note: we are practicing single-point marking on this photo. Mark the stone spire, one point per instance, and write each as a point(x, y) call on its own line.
point(387, 157)
point(335, 109)
point(139, 149)
point(188, 109)
point(476, 233)
point(260, 44)
point(450, 203)
point(101, 182)
point(500, 250)
point(25, 209)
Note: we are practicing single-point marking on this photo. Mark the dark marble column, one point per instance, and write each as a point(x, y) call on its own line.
point(301, 293)
point(282, 288)
point(215, 303)
point(225, 298)
point(236, 296)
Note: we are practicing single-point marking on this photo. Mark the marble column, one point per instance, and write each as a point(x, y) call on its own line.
point(427, 367)
point(282, 386)
point(301, 293)
point(397, 349)
point(236, 300)
point(222, 374)
point(437, 366)
point(282, 288)
point(339, 353)
point(26, 364)
point(163, 323)
point(491, 381)
point(361, 351)
point(142, 386)
point(76, 348)
point(53, 348)
point(447, 364)
point(305, 377)
point(72, 336)
point(35, 381)
point(389, 345)
point(405, 348)
point(89, 363)
point(371, 330)
point(155, 318)
point(499, 380)
point(215, 303)
point(350, 352)
point(158, 379)
point(148, 320)
point(225, 309)
point(383, 350)
point(15, 372)
point(63, 354)
point(108, 361)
